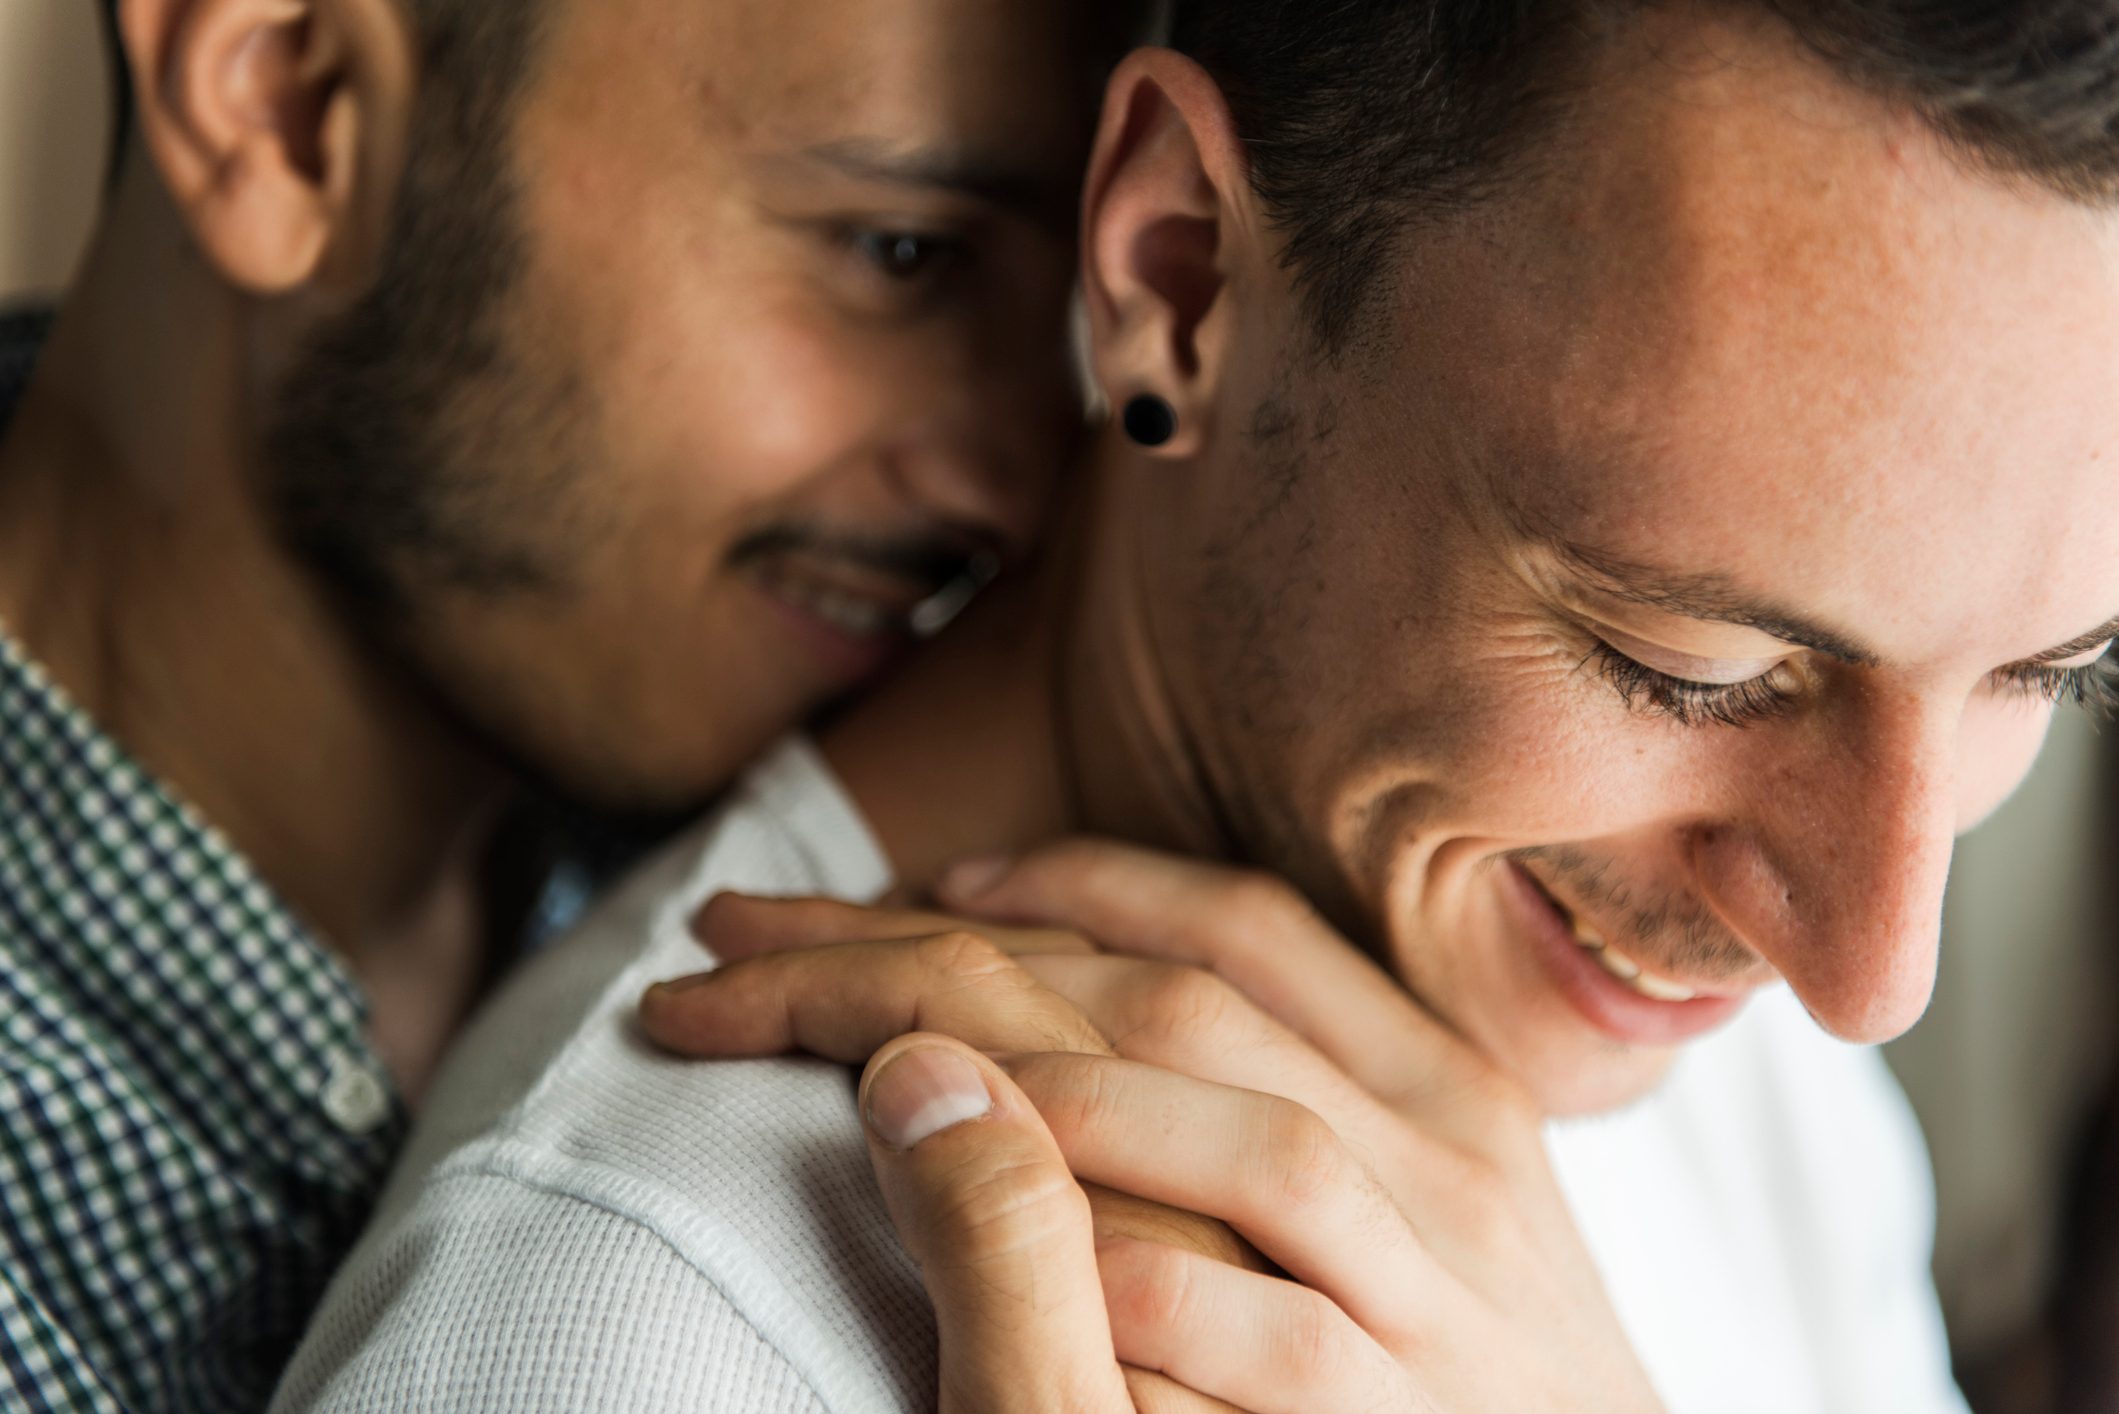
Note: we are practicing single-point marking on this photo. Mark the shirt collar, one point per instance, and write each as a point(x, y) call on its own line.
point(176, 952)
point(173, 946)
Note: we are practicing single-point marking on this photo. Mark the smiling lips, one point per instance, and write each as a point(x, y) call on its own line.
point(1611, 991)
point(1615, 963)
point(1623, 967)
point(870, 617)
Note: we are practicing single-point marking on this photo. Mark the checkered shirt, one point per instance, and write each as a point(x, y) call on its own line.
point(192, 1124)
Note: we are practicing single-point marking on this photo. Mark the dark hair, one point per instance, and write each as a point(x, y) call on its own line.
point(120, 88)
point(1363, 118)
point(482, 49)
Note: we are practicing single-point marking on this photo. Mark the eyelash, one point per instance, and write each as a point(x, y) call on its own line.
point(875, 246)
point(1687, 703)
point(2092, 686)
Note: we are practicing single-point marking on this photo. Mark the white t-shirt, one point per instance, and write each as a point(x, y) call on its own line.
point(582, 1223)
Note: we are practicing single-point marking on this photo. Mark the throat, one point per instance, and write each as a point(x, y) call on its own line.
point(957, 755)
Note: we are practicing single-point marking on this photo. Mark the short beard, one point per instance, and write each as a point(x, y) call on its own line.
point(1248, 603)
point(409, 450)
point(414, 457)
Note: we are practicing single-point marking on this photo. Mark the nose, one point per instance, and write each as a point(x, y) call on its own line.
point(1833, 869)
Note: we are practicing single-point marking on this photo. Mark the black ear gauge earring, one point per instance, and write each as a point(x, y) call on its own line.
point(1149, 420)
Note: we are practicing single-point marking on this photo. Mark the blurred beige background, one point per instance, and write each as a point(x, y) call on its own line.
point(2019, 1037)
point(2019, 1030)
point(54, 132)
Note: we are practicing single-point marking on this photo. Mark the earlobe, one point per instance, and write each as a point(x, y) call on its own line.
point(253, 113)
point(1168, 188)
point(1149, 421)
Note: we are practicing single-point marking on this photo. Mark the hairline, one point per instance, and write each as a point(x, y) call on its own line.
point(1531, 143)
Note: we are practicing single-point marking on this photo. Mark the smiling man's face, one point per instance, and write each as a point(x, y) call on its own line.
point(1693, 564)
point(739, 333)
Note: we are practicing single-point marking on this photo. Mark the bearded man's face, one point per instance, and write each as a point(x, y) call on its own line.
point(687, 380)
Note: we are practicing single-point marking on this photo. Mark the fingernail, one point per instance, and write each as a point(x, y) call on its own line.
point(922, 1092)
point(676, 985)
point(969, 878)
point(709, 915)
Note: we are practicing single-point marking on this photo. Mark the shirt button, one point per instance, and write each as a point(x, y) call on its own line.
point(355, 1097)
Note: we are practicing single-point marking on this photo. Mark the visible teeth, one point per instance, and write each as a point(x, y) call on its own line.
point(1626, 969)
point(1650, 985)
point(849, 613)
point(1621, 966)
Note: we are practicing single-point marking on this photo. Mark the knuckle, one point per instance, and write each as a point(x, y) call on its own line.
point(1266, 903)
point(1076, 860)
point(990, 1215)
point(1186, 1005)
point(964, 956)
point(1123, 1215)
point(960, 966)
point(1307, 1160)
point(1461, 1083)
point(1073, 1093)
point(1316, 1352)
point(1487, 1216)
point(1484, 1090)
point(1157, 1291)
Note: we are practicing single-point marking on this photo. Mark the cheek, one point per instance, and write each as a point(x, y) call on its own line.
point(713, 371)
point(742, 418)
point(1498, 754)
point(1545, 777)
point(1536, 750)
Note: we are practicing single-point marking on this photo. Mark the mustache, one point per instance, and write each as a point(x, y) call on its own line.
point(1665, 926)
point(934, 558)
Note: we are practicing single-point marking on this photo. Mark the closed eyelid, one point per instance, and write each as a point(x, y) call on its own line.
point(1718, 672)
point(2083, 658)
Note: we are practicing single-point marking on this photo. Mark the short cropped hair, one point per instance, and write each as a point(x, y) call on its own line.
point(480, 51)
point(1363, 118)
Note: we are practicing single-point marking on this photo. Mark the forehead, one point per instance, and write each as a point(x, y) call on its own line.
point(1017, 73)
point(1764, 323)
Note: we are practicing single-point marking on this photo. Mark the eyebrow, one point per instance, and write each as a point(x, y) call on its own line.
point(1710, 597)
point(2103, 633)
point(1042, 198)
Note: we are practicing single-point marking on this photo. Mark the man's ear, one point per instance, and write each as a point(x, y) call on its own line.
point(278, 128)
point(1168, 189)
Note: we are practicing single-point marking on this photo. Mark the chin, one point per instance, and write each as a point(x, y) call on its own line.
point(1594, 1081)
point(628, 768)
point(674, 782)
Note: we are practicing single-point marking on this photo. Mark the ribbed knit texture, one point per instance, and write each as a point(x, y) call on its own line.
point(584, 1224)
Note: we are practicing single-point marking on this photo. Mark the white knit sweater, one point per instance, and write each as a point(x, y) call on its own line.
point(585, 1224)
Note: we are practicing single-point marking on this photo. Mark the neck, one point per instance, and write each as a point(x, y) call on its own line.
point(1044, 712)
point(137, 564)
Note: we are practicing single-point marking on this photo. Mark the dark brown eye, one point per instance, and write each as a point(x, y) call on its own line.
point(904, 255)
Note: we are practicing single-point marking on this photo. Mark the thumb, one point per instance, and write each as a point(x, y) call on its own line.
point(986, 1205)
